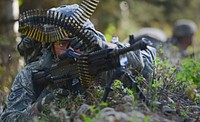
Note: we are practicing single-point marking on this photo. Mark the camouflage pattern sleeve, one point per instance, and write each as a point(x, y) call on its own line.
point(140, 61)
point(149, 56)
point(135, 59)
point(21, 98)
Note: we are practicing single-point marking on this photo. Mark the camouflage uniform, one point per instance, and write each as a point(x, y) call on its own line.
point(23, 96)
point(173, 54)
point(158, 38)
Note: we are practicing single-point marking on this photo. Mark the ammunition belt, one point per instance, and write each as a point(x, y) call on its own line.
point(31, 24)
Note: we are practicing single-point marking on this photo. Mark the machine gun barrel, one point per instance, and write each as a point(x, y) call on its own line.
point(137, 45)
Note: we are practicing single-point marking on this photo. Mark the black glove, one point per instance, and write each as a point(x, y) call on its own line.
point(78, 44)
point(91, 41)
point(30, 49)
point(47, 97)
point(97, 44)
point(25, 45)
point(45, 101)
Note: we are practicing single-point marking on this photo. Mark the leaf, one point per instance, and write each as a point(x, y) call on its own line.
point(6, 89)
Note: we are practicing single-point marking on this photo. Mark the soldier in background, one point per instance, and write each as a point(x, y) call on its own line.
point(182, 37)
point(174, 48)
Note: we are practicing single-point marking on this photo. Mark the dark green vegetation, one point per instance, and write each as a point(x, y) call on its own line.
point(174, 95)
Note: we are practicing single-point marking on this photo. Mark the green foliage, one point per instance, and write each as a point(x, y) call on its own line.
point(117, 85)
point(109, 32)
point(87, 118)
point(189, 71)
point(170, 82)
point(20, 2)
point(163, 72)
point(146, 119)
point(94, 110)
point(103, 104)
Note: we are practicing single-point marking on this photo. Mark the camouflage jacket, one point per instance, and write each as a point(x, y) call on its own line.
point(173, 54)
point(22, 97)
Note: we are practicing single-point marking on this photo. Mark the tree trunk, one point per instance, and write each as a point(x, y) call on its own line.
point(8, 33)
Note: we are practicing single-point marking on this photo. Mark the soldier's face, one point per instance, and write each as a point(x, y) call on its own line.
point(186, 41)
point(61, 46)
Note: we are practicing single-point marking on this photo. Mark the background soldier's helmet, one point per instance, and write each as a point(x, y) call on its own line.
point(155, 35)
point(184, 27)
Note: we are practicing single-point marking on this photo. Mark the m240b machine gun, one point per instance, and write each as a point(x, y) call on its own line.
point(76, 68)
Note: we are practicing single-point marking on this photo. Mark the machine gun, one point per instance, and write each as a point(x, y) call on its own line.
point(73, 68)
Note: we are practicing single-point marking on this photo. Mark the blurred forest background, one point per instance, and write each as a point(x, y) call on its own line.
point(112, 17)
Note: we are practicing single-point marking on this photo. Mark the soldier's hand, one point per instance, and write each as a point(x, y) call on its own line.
point(97, 44)
point(25, 45)
point(44, 102)
point(93, 42)
point(56, 94)
point(78, 44)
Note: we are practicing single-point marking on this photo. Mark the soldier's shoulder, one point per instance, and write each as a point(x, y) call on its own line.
point(32, 65)
point(25, 74)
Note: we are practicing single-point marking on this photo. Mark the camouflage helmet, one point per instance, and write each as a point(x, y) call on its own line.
point(184, 27)
point(155, 35)
point(68, 10)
